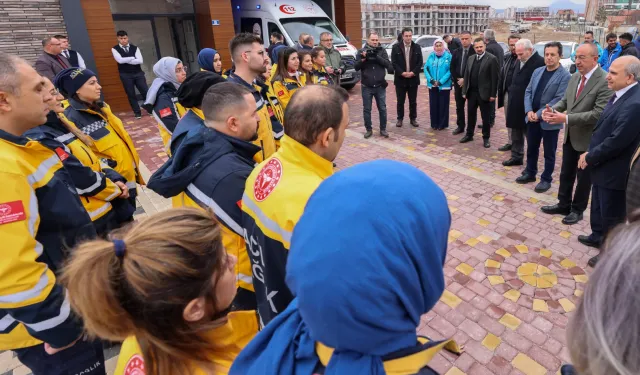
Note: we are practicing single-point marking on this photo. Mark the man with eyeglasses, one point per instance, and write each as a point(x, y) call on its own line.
point(334, 59)
point(579, 110)
point(51, 62)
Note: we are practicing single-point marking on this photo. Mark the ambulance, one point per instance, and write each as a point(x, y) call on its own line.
point(291, 18)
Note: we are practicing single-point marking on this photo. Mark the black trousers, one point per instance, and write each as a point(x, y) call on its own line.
point(401, 94)
point(608, 209)
point(85, 357)
point(569, 171)
point(131, 81)
point(473, 103)
point(439, 107)
point(460, 101)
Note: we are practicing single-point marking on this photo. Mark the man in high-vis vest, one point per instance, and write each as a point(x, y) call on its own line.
point(278, 189)
point(41, 217)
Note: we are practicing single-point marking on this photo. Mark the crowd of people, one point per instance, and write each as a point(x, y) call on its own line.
point(246, 273)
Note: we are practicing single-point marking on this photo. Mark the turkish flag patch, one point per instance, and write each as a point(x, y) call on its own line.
point(239, 203)
point(10, 212)
point(62, 154)
point(166, 112)
point(280, 93)
point(270, 111)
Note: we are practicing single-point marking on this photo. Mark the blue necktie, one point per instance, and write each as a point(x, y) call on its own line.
point(610, 103)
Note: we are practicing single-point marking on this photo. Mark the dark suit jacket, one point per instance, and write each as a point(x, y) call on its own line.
point(506, 73)
point(614, 141)
point(519, 82)
point(399, 64)
point(494, 48)
point(48, 66)
point(488, 74)
point(456, 62)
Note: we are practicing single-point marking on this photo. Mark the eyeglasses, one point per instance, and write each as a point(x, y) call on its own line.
point(327, 40)
point(582, 57)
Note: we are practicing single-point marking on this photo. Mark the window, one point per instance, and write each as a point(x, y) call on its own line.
point(312, 26)
point(254, 26)
point(273, 28)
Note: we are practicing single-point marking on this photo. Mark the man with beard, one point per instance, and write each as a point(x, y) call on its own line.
point(223, 152)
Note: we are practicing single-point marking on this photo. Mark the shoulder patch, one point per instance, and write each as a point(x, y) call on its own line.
point(281, 93)
point(267, 179)
point(10, 212)
point(165, 112)
point(62, 154)
point(135, 366)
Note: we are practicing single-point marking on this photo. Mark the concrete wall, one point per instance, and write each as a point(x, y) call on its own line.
point(24, 23)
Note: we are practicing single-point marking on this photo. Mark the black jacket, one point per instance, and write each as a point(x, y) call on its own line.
point(399, 64)
point(374, 67)
point(629, 50)
point(614, 141)
point(506, 75)
point(456, 62)
point(489, 72)
point(454, 45)
point(519, 82)
point(494, 48)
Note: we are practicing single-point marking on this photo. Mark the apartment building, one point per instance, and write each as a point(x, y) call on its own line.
point(532, 12)
point(510, 13)
point(424, 18)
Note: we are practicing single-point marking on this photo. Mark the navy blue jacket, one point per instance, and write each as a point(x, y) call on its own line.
point(615, 138)
point(187, 123)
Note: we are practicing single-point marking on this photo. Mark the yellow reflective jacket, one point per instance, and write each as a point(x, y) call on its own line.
point(110, 139)
point(274, 199)
point(230, 338)
point(321, 76)
point(285, 88)
point(167, 112)
point(41, 217)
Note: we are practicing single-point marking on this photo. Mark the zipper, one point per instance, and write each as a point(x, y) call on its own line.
point(88, 155)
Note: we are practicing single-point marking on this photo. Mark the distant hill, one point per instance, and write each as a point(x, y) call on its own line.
point(567, 4)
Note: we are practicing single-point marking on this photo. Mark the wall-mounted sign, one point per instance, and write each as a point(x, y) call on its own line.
point(215, 22)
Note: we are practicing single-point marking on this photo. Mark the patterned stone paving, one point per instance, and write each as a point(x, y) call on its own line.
point(513, 274)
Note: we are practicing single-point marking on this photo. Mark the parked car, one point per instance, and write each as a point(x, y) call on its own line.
point(567, 49)
point(424, 41)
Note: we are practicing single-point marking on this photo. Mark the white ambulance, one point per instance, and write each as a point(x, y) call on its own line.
point(291, 18)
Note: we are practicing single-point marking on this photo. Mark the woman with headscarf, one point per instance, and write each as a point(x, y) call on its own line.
point(335, 325)
point(109, 139)
point(210, 60)
point(162, 97)
point(437, 72)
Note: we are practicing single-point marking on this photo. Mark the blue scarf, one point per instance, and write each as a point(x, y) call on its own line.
point(365, 263)
point(205, 59)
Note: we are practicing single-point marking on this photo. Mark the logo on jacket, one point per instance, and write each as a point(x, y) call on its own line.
point(267, 179)
point(11, 212)
point(135, 366)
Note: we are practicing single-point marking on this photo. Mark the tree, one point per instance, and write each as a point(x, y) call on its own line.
point(601, 15)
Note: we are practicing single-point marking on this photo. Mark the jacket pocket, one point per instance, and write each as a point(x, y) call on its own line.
point(106, 142)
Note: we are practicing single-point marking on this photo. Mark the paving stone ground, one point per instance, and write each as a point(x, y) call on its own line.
point(513, 274)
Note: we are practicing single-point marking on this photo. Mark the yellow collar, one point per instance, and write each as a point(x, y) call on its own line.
point(296, 153)
point(198, 112)
point(405, 365)
point(319, 68)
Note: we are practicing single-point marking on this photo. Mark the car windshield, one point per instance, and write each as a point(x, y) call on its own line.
point(426, 42)
point(389, 45)
point(566, 49)
point(312, 26)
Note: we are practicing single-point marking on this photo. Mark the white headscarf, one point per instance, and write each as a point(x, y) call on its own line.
point(165, 71)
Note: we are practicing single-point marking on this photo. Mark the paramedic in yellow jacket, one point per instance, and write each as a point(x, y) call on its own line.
point(250, 61)
point(277, 190)
point(165, 288)
point(306, 68)
point(286, 79)
point(320, 74)
point(87, 112)
point(40, 215)
point(162, 98)
point(273, 104)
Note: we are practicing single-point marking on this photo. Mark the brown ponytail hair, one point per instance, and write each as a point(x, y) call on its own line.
point(75, 131)
point(170, 260)
point(306, 74)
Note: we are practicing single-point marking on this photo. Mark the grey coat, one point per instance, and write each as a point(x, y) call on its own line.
point(553, 92)
point(48, 66)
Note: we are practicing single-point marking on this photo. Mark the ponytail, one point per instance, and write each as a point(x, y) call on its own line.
point(75, 131)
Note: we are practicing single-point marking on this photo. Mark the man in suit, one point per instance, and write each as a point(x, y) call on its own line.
point(480, 88)
point(615, 139)
point(506, 74)
point(75, 59)
point(406, 58)
point(51, 62)
point(459, 60)
point(493, 48)
point(547, 87)
point(129, 59)
point(579, 110)
point(452, 43)
point(529, 61)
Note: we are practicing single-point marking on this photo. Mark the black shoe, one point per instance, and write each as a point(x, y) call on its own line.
point(542, 187)
point(572, 218)
point(458, 131)
point(487, 144)
point(512, 162)
point(383, 133)
point(138, 117)
point(368, 134)
point(506, 147)
point(414, 123)
point(525, 179)
point(593, 261)
point(587, 241)
point(568, 370)
point(335, 165)
point(399, 123)
point(556, 209)
point(466, 138)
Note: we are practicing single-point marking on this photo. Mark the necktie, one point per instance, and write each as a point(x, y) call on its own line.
point(64, 66)
point(610, 103)
point(126, 49)
point(581, 87)
point(66, 54)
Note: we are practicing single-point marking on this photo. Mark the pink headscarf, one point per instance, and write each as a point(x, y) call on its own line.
point(444, 44)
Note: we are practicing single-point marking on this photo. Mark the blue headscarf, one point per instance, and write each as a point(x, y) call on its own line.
point(365, 263)
point(205, 59)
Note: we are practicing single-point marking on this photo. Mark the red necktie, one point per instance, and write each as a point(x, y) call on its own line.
point(584, 79)
point(61, 62)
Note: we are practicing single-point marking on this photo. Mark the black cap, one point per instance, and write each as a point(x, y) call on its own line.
point(192, 90)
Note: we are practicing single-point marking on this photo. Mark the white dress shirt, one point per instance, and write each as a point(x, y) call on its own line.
point(137, 60)
point(621, 92)
point(81, 63)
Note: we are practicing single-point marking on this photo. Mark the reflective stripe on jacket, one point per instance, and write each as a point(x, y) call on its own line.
point(167, 112)
point(274, 199)
point(40, 218)
point(284, 89)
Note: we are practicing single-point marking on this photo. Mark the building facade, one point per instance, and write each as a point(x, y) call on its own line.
point(510, 13)
point(178, 28)
point(388, 19)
